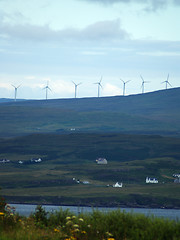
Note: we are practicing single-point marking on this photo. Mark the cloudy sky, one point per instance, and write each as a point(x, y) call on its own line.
point(83, 40)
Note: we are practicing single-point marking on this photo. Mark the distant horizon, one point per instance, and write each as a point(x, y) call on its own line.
point(44, 99)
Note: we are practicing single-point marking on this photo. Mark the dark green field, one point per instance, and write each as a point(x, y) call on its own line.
point(150, 113)
point(131, 158)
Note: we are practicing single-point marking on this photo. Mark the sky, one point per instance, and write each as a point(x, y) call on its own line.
point(56, 43)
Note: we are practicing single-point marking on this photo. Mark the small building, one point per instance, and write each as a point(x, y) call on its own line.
point(101, 161)
point(4, 161)
point(118, 185)
point(177, 180)
point(151, 180)
point(176, 175)
point(85, 182)
point(36, 160)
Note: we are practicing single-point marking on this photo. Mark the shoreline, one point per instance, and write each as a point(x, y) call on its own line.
point(92, 206)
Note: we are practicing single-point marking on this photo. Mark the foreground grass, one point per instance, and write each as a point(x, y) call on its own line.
point(64, 225)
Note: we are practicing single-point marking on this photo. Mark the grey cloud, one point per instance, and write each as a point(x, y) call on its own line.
point(105, 30)
point(149, 5)
point(176, 2)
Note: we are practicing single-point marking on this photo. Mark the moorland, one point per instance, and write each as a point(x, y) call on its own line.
point(138, 135)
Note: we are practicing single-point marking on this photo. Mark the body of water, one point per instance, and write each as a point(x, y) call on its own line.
point(27, 209)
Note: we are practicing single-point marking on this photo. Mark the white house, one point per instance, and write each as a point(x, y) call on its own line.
point(176, 175)
point(117, 185)
point(151, 180)
point(36, 160)
point(4, 161)
point(85, 182)
point(101, 161)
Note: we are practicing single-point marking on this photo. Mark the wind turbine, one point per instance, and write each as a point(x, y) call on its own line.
point(143, 82)
point(124, 85)
point(15, 91)
point(99, 86)
point(167, 82)
point(76, 85)
point(47, 88)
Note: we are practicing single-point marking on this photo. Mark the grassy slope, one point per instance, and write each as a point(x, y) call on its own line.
point(130, 159)
point(151, 112)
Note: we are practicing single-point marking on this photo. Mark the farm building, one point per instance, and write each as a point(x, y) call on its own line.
point(151, 180)
point(101, 161)
point(117, 185)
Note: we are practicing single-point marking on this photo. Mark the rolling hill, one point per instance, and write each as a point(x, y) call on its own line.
point(152, 113)
point(69, 134)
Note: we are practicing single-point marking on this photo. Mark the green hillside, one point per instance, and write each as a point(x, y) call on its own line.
point(152, 113)
point(131, 158)
point(138, 135)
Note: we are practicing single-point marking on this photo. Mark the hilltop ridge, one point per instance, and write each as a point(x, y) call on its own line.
point(154, 112)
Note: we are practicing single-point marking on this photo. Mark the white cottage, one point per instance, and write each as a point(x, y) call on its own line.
point(101, 161)
point(151, 180)
point(117, 185)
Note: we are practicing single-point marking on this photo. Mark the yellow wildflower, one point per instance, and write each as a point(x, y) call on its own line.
point(81, 219)
point(84, 232)
point(1, 214)
point(76, 230)
point(111, 239)
point(68, 223)
point(73, 217)
point(76, 225)
point(68, 218)
point(56, 230)
point(109, 234)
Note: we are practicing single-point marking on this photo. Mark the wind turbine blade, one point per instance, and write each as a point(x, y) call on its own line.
point(163, 82)
point(167, 77)
point(79, 84)
point(73, 82)
point(13, 85)
point(127, 81)
point(169, 84)
point(122, 80)
point(142, 78)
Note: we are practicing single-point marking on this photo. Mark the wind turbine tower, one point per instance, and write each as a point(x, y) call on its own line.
point(143, 82)
point(76, 85)
point(47, 88)
point(167, 82)
point(99, 86)
point(124, 85)
point(15, 91)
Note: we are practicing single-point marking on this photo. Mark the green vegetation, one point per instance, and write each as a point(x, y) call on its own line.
point(63, 225)
point(151, 113)
point(70, 134)
point(131, 158)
